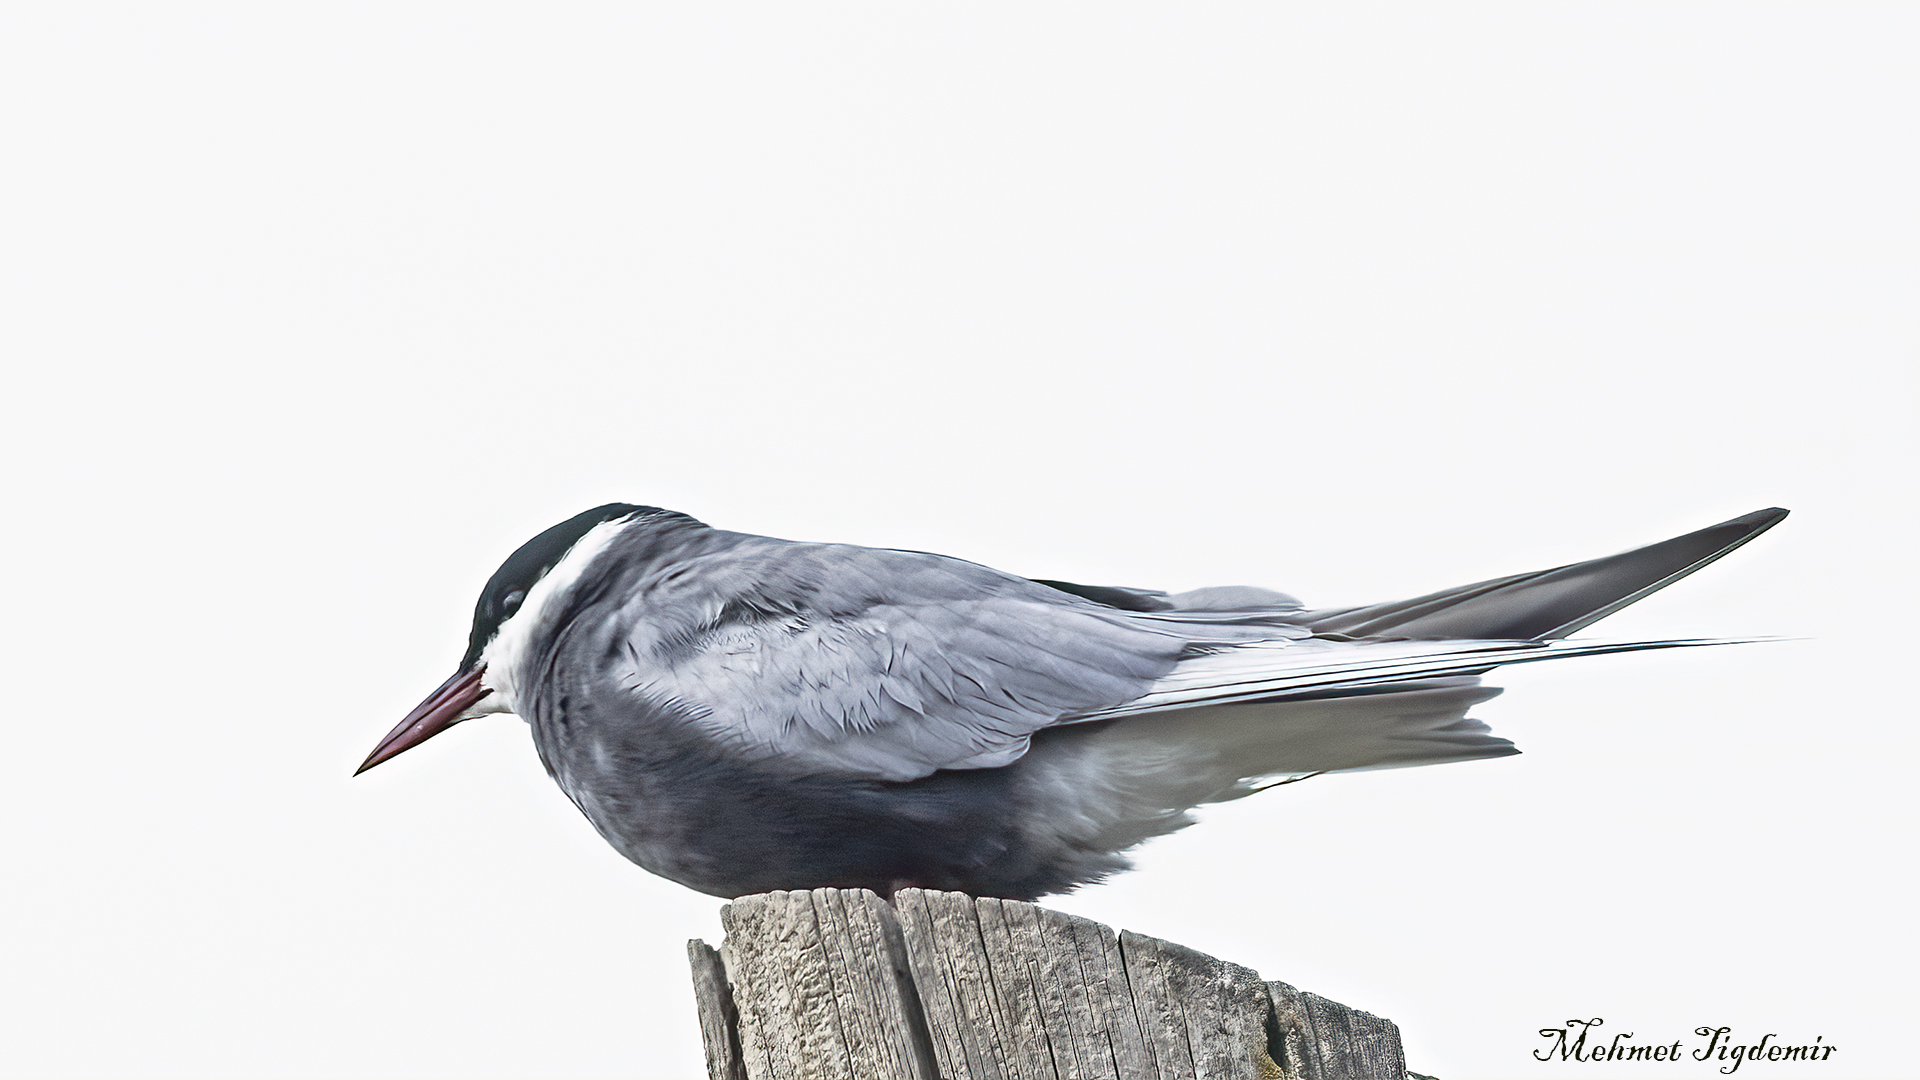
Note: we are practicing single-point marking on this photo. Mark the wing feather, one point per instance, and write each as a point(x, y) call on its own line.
point(896, 664)
point(893, 664)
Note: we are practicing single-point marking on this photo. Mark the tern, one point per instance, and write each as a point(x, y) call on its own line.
point(741, 714)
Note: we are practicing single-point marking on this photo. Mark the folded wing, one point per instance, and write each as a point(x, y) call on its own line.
point(895, 664)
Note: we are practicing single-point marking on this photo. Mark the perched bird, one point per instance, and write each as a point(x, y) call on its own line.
point(741, 714)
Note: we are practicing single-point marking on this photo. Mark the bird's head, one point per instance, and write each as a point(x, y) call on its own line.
point(503, 619)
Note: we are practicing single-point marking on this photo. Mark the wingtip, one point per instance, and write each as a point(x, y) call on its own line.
point(1749, 525)
point(1732, 532)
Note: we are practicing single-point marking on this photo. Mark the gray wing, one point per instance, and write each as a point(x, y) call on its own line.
point(1546, 604)
point(894, 664)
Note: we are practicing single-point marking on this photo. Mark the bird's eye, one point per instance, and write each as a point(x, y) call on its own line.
point(511, 602)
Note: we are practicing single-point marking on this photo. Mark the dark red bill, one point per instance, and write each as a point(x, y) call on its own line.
point(441, 710)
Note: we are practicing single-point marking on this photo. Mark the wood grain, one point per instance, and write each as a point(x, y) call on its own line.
point(713, 999)
point(942, 986)
point(1209, 1016)
point(1325, 1040)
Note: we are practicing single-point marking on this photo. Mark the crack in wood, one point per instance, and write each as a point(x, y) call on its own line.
point(839, 985)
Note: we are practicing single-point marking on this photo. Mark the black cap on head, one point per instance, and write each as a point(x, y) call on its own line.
point(508, 586)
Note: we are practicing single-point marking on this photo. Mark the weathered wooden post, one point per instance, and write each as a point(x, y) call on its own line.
point(837, 983)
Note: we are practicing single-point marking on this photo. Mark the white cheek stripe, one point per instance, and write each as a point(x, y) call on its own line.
point(503, 655)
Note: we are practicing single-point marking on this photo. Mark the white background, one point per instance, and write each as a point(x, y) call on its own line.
point(314, 312)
